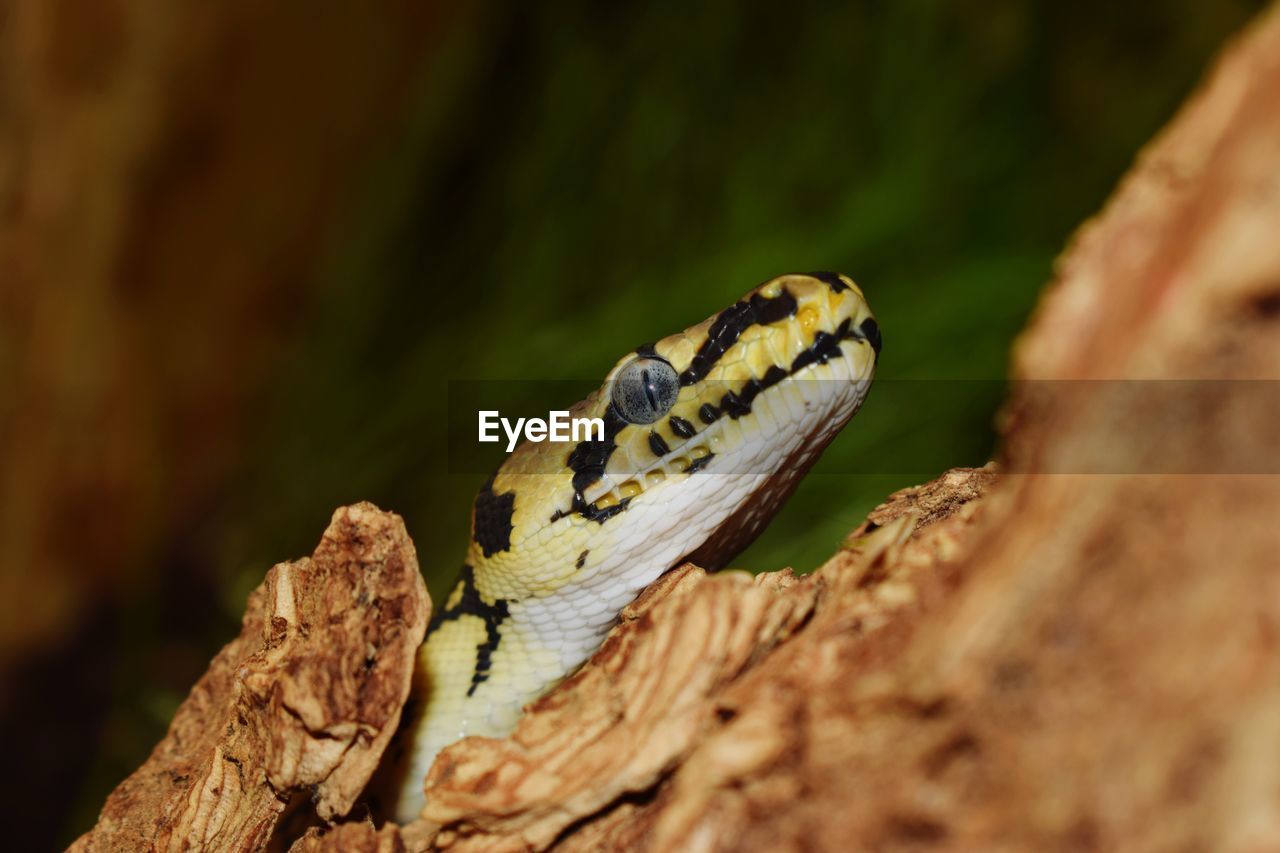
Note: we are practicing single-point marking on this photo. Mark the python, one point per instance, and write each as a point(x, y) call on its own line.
point(705, 434)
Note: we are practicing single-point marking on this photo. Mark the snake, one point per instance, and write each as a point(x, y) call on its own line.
point(706, 433)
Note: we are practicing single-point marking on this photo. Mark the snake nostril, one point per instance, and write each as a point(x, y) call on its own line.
point(871, 331)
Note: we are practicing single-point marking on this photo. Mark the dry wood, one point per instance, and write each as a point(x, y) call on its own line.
point(305, 699)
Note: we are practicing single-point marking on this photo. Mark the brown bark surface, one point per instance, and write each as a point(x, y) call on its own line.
point(305, 699)
point(1056, 656)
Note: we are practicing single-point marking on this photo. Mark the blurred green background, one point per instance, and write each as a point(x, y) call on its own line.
point(552, 184)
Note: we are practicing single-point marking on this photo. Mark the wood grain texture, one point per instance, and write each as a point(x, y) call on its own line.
point(304, 700)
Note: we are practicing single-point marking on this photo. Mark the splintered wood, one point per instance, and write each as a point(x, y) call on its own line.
point(304, 700)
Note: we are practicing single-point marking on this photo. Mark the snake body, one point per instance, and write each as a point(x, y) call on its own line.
point(707, 432)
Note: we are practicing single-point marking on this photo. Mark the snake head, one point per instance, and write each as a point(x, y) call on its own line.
point(705, 431)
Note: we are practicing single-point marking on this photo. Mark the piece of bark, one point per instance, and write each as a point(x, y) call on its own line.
point(305, 699)
point(701, 678)
point(1084, 657)
point(351, 838)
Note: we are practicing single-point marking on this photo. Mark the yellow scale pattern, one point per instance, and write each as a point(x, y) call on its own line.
point(560, 545)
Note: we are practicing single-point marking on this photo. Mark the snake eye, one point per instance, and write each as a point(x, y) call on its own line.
point(645, 390)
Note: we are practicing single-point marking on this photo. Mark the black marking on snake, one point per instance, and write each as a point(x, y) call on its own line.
point(708, 413)
point(658, 445)
point(590, 511)
point(492, 519)
point(729, 325)
point(871, 331)
point(737, 404)
point(681, 427)
point(472, 603)
point(825, 347)
point(647, 350)
point(588, 458)
point(582, 559)
point(593, 513)
point(831, 280)
point(699, 464)
point(731, 404)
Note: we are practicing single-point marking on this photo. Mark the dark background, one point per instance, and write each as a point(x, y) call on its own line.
point(249, 250)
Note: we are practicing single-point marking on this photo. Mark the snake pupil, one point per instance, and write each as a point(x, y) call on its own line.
point(647, 383)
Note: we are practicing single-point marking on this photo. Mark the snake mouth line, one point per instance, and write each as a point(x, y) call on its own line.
point(688, 461)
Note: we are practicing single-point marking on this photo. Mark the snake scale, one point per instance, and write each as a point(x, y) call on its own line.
point(707, 432)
